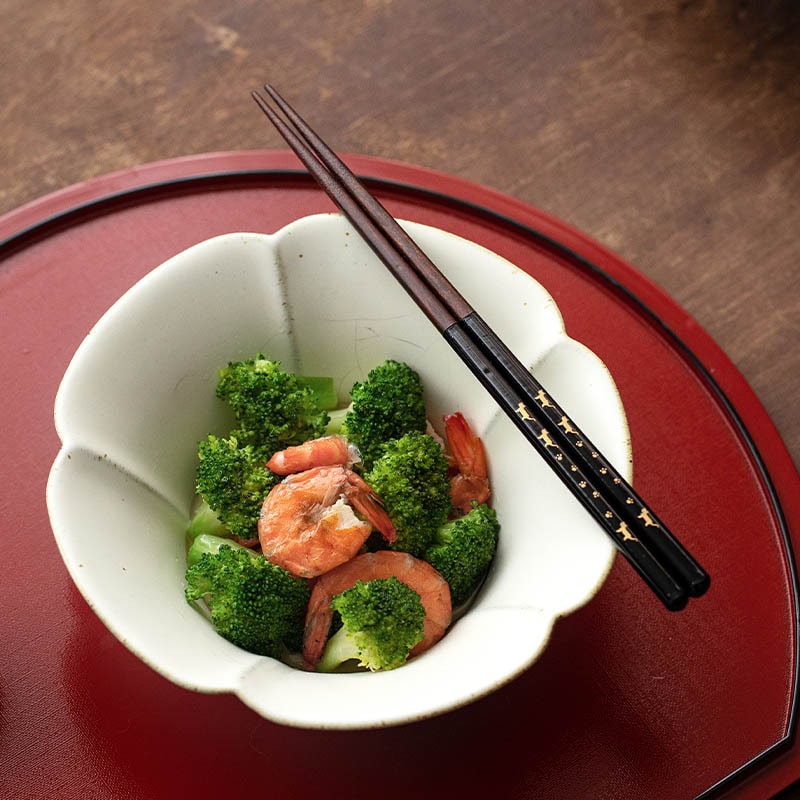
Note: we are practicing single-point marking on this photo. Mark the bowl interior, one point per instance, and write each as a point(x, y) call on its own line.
point(139, 394)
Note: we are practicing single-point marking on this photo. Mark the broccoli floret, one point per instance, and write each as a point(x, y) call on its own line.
point(411, 480)
point(274, 409)
point(381, 619)
point(254, 604)
point(387, 405)
point(232, 478)
point(463, 549)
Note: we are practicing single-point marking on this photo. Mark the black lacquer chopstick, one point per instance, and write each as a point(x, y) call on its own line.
point(630, 506)
point(652, 550)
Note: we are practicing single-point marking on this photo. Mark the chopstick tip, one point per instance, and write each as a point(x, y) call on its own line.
point(261, 102)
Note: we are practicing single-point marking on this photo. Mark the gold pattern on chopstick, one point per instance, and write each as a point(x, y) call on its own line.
point(567, 426)
point(545, 437)
point(649, 522)
point(522, 410)
point(544, 399)
point(627, 536)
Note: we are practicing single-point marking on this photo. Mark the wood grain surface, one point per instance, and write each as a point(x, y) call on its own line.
point(669, 131)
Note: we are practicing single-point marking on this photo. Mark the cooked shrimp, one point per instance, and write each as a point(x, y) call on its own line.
point(246, 542)
point(324, 452)
point(307, 524)
point(471, 482)
point(415, 573)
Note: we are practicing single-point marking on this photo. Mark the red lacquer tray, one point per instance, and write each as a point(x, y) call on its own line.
point(628, 700)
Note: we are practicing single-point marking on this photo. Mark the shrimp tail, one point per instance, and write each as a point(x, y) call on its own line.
point(370, 506)
point(471, 482)
point(466, 447)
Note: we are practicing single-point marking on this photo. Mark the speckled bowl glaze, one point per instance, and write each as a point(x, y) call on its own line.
point(139, 394)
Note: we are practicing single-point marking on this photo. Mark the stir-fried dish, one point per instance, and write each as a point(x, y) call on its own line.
point(337, 537)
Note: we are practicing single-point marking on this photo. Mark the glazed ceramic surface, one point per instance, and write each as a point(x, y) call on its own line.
point(139, 394)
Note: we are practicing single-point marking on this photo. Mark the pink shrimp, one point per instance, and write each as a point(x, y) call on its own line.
point(323, 452)
point(307, 524)
point(471, 482)
point(419, 575)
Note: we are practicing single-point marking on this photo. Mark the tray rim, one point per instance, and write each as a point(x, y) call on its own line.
point(55, 211)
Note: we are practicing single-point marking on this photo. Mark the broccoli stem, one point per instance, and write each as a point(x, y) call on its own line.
point(339, 650)
point(208, 543)
point(205, 520)
point(336, 419)
point(323, 389)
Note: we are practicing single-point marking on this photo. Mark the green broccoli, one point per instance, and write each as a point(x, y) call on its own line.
point(336, 419)
point(323, 390)
point(254, 604)
point(210, 543)
point(381, 620)
point(233, 480)
point(387, 405)
point(205, 520)
point(463, 549)
point(412, 481)
point(274, 409)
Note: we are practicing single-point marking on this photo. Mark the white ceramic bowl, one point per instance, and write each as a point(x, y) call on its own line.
point(139, 394)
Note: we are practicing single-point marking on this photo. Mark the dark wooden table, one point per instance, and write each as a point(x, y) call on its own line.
point(668, 131)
